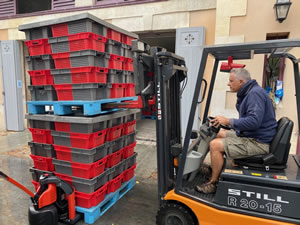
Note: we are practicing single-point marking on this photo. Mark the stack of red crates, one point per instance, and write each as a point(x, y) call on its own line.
point(149, 112)
point(67, 64)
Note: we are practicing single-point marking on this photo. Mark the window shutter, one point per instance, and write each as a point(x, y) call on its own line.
point(7, 8)
point(62, 4)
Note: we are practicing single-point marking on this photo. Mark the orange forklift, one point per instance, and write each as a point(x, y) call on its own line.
point(262, 189)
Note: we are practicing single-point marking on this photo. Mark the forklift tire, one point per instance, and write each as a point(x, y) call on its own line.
point(174, 214)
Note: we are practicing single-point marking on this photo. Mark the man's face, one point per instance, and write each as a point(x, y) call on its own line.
point(234, 84)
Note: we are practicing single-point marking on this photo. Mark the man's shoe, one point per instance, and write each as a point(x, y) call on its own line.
point(207, 188)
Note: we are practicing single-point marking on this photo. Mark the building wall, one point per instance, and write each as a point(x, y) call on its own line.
point(155, 16)
point(251, 22)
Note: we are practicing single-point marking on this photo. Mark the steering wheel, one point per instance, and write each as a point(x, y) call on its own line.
point(210, 118)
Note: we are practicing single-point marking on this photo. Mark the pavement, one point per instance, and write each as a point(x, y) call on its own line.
point(138, 206)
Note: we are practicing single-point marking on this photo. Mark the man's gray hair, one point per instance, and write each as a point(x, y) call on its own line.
point(241, 74)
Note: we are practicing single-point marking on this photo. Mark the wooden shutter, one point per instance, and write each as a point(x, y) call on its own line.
point(62, 4)
point(7, 8)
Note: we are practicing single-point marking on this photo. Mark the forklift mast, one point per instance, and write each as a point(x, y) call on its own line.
point(163, 74)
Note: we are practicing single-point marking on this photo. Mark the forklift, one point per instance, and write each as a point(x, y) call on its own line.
point(261, 189)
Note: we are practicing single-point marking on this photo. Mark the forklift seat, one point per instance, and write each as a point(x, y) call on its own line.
point(277, 158)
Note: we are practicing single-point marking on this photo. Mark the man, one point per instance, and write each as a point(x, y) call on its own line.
point(252, 133)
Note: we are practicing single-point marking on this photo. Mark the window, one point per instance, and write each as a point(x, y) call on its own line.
point(274, 71)
point(29, 6)
point(12, 8)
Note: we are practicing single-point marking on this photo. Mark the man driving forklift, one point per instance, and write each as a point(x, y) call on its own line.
point(252, 133)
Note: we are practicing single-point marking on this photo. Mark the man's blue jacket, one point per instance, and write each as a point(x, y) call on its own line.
point(256, 114)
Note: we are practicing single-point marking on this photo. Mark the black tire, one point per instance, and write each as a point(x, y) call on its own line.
point(174, 214)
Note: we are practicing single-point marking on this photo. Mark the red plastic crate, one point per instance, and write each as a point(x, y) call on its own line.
point(63, 152)
point(88, 171)
point(39, 47)
point(59, 30)
point(117, 90)
point(87, 40)
point(128, 128)
point(128, 64)
point(129, 150)
point(42, 163)
point(61, 60)
point(88, 141)
point(41, 135)
point(129, 90)
point(114, 35)
point(116, 62)
point(114, 133)
point(89, 200)
point(90, 74)
point(60, 126)
point(41, 77)
point(114, 158)
point(115, 184)
point(64, 92)
point(146, 113)
point(126, 39)
point(129, 173)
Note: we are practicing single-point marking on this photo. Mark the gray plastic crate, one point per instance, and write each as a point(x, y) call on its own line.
point(129, 139)
point(41, 124)
point(63, 167)
point(36, 173)
point(88, 185)
point(117, 170)
point(87, 128)
point(90, 91)
point(114, 47)
point(42, 62)
point(86, 25)
point(62, 76)
point(130, 117)
point(83, 124)
point(43, 93)
point(59, 44)
point(40, 149)
point(89, 58)
point(88, 156)
point(115, 76)
point(129, 162)
point(61, 138)
point(118, 120)
point(115, 145)
point(129, 77)
point(38, 33)
point(128, 53)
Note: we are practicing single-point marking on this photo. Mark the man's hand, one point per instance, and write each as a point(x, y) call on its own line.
point(220, 120)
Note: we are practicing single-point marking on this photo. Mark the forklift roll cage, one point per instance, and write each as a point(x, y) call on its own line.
point(276, 48)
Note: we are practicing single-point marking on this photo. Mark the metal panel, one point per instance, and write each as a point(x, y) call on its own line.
point(189, 44)
point(12, 85)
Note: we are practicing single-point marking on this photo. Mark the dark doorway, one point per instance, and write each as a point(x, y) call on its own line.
point(165, 39)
